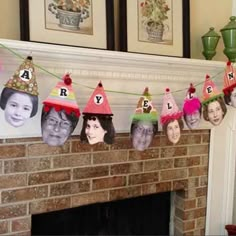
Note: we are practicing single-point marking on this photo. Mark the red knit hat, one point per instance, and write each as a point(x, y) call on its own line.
point(229, 78)
point(98, 103)
point(210, 91)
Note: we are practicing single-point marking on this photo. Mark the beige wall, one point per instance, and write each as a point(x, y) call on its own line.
point(204, 14)
point(10, 19)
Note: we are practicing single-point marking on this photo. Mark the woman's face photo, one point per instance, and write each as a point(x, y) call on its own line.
point(56, 128)
point(215, 113)
point(173, 131)
point(18, 109)
point(142, 135)
point(233, 98)
point(94, 131)
point(193, 120)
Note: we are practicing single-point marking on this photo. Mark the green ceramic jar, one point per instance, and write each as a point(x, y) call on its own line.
point(229, 38)
point(209, 42)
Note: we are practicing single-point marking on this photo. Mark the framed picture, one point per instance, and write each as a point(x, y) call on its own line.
point(84, 23)
point(159, 27)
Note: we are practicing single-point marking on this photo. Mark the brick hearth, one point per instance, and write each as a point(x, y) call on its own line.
point(35, 178)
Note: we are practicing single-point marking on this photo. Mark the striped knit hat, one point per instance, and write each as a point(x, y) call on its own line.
point(229, 78)
point(62, 97)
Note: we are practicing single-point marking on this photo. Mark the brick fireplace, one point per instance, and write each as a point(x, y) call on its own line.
point(35, 178)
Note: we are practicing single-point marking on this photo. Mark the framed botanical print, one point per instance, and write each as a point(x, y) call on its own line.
point(84, 23)
point(160, 27)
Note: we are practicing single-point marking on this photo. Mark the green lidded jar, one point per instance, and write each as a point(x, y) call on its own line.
point(229, 38)
point(209, 42)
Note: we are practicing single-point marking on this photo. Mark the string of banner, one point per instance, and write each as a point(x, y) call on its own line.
point(89, 87)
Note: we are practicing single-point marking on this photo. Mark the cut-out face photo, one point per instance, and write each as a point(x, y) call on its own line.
point(173, 130)
point(215, 111)
point(97, 129)
point(142, 133)
point(57, 126)
point(193, 120)
point(18, 106)
point(230, 98)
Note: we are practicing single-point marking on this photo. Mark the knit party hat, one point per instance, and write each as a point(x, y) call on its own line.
point(229, 78)
point(98, 102)
point(62, 97)
point(210, 91)
point(145, 109)
point(170, 110)
point(24, 79)
point(191, 102)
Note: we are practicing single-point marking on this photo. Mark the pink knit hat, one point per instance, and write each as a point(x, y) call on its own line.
point(229, 78)
point(62, 97)
point(98, 103)
point(210, 91)
point(170, 110)
point(191, 103)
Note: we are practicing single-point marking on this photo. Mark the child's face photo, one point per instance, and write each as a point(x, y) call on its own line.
point(94, 131)
point(18, 109)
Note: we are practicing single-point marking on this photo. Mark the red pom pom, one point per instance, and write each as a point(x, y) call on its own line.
point(167, 90)
point(100, 84)
point(207, 76)
point(192, 90)
point(228, 63)
point(67, 79)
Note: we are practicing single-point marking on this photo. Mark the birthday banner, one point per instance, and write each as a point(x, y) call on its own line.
point(38, 102)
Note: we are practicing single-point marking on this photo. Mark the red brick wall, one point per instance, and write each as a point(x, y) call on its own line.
point(35, 178)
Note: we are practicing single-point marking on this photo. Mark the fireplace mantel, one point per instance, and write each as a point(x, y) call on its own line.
point(130, 73)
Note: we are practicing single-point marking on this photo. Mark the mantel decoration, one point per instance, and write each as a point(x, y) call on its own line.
point(229, 38)
point(160, 27)
point(83, 23)
point(70, 12)
point(153, 16)
point(60, 112)
point(210, 41)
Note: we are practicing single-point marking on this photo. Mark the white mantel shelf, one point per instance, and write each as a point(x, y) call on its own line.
point(130, 73)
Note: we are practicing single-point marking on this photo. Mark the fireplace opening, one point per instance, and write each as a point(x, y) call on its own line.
point(145, 215)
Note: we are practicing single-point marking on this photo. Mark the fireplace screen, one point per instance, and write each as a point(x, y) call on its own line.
point(146, 215)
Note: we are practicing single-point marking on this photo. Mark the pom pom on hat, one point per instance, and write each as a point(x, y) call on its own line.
point(229, 78)
point(145, 109)
point(210, 91)
point(62, 97)
point(191, 103)
point(98, 103)
point(24, 79)
point(170, 110)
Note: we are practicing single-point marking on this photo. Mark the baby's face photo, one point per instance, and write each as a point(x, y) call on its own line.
point(18, 109)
